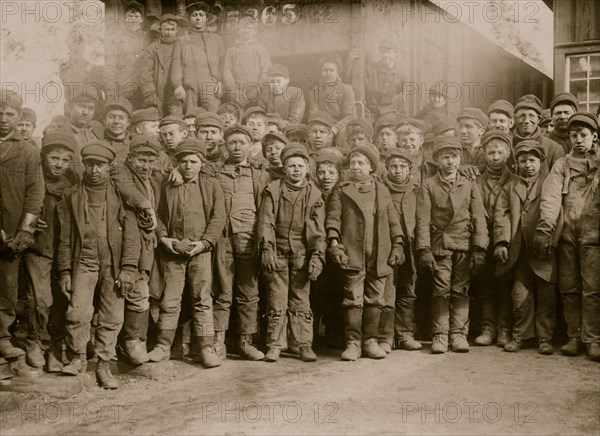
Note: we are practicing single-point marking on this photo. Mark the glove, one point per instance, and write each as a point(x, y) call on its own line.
point(21, 242)
point(469, 171)
point(315, 266)
point(501, 253)
point(151, 100)
point(182, 247)
point(477, 260)
point(268, 260)
point(145, 222)
point(427, 261)
point(396, 256)
point(338, 255)
point(542, 243)
point(65, 284)
point(152, 217)
point(125, 281)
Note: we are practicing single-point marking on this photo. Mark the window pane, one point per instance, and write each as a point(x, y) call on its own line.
point(579, 67)
point(579, 90)
point(593, 107)
point(594, 90)
point(595, 66)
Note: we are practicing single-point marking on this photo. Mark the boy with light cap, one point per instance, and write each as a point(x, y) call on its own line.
point(146, 122)
point(117, 119)
point(571, 191)
point(99, 245)
point(197, 60)
point(46, 304)
point(493, 292)
point(534, 279)
point(365, 239)
point(291, 238)
point(242, 182)
point(273, 144)
point(501, 115)
point(562, 106)
point(21, 196)
point(451, 241)
point(282, 97)
point(192, 216)
point(157, 59)
point(471, 125)
point(397, 323)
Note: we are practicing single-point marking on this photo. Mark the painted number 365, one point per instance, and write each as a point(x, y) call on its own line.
point(268, 16)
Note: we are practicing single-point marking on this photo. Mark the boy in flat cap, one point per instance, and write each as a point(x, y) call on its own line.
point(494, 293)
point(451, 241)
point(192, 215)
point(157, 59)
point(26, 125)
point(358, 131)
point(365, 239)
point(99, 245)
point(117, 119)
point(527, 118)
point(172, 131)
point(209, 129)
point(46, 304)
point(397, 324)
point(282, 97)
point(534, 280)
point(297, 133)
point(331, 95)
point(242, 183)
point(21, 196)
point(272, 145)
point(411, 136)
point(571, 191)
point(471, 125)
point(246, 64)
point(562, 106)
point(501, 115)
point(385, 136)
point(146, 122)
point(291, 238)
point(256, 120)
point(197, 62)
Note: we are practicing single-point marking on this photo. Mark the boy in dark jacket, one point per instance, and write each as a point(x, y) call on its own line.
point(365, 239)
point(451, 240)
point(291, 237)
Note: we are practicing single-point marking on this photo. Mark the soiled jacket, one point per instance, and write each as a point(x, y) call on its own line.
point(122, 230)
point(21, 182)
point(450, 218)
point(346, 222)
point(156, 70)
point(406, 206)
point(515, 220)
point(553, 150)
point(314, 216)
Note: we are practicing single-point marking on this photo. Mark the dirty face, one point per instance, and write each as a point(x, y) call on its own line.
point(148, 128)
point(211, 136)
point(238, 147)
point(189, 165)
point(387, 139)
point(80, 114)
point(198, 19)
point(357, 139)
point(500, 121)
point(329, 72)
point(133, 20)
point(327, 176)
point(168, 31)
point(172, 135)
point(412, 142)
point(319, 136)
point(25, 129)
point(278, 83)
point(143, 163)
point(95, 171)
point(527, 121)
point(57, 161)
point(448, 162)
point(116, 122)
point(272, 152)
point(295, 169)
point(469, 132)
point(529, 164)
point(359, 166)
point(9, 117)
point(398, 170)
point(582, 139)
point(496, 154)
point(560, 116)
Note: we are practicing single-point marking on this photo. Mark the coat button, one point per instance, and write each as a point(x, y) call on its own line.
point(120, 228)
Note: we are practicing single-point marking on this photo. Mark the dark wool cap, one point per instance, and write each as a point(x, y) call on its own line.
point(171, 119)
point(294, 149)
point(586, 118)
point(502, 106)
point(474, 113)
point(564, 98)
point(369, 151)
point(415, 122)
point(496, 134)
point(321, 117)
point(386, 120)
point(331, 155)
point(400, 153)
point(149, 114)
point(251, 111)
point(273, 135)
point(444, 143)
point(442, 126)
point(169, 17)
point(238, 128)
point(361, 123)
point(209, 119)
point(530, 146)
point(134, 5)
point(123, 105)
point(28, 115)
point(144, 144)
point(53, 140)
point(98, 151)
point(190, 146)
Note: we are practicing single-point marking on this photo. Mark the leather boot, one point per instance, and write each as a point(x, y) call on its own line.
point(386, 329)
point(220, 347)
point(353, 327)
point(207, 352)
point(370, 327)
point(105, 378)
point(8, 351)
point(572, 347)
point(593, 351)
point(410, 344)
point(131, 345)
point(162, 350)
point(504, 336)
point(301, 328)
point(55, 363)
point(77, 366)
point(35, 354)
point(486, 337)
point(248, 350)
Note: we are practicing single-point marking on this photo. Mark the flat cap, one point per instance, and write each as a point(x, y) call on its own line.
point(586, 118)
point(28, 114)
point(190, 146)
point(415, 122)
point(144, 144)
point(209, 119)
point(172, 119)
point(386, 120)
point(132, 4)
point(294, 149)
point(273, 136)
point(278, 70)
point(169, 17)
point(474, 113)
point(98, 151)
point(442, 127)
point(369, 151)
point(529, 104)
point(502, 106)
point(564, 98)
point(321, 117)
point(89, 93)
point(496, 134)
point(251, 111)
point(445, 143)
point(149, 114)
point(123, 105)
point(52, 140)
point(194, 5)
point(401, 153)
point(360, 123)
point(238, 128)
point(530, 146)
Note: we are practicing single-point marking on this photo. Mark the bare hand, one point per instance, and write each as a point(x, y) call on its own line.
point(168, 244)
point(180, 93)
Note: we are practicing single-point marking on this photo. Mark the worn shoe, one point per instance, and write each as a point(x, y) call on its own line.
point(272, 354)
point(410, 344)
point(385, 347)
point(55, 363)
point(372, 350)
point(352, 351)
point(209, 357)
point(35, 355)
point(460, 344)
point(504, 337)
point(485, 338)
point(307, 354)
point(545, 347)
point(8, 351)
point(220, 347)
point(514, 345)
point(247, 349)
point(439, 345)
point(77, 366)
point(105, 378)
point(572, 347)
point(135, 351)
point(593, 351)
point(159, 353)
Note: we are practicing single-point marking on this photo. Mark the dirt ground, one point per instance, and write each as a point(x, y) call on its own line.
point(486, 391)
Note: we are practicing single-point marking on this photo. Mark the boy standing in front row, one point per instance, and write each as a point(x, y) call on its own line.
point(451, 240)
